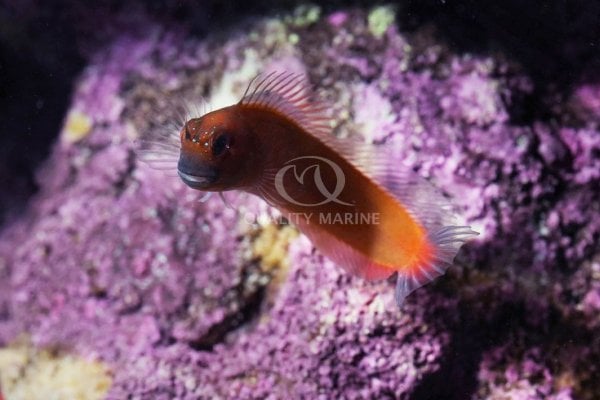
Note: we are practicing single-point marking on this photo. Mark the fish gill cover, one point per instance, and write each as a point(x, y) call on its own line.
point(115, 262)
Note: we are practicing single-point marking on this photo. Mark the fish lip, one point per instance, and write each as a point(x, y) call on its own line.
point(197, 181)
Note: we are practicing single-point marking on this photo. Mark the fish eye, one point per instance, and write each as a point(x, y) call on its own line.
point(220, 144)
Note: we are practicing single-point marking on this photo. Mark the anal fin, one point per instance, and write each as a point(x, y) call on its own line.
point(344, 255)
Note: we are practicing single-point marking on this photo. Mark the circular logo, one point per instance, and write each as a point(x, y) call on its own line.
point(328, 196)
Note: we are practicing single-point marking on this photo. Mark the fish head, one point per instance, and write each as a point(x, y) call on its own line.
point(214, 151)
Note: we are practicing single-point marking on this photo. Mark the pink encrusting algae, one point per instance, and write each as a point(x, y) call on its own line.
point(114, 261)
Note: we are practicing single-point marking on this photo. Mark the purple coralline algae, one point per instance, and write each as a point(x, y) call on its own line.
point(121, 263)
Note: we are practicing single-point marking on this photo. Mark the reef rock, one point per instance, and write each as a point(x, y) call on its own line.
point(179, 298)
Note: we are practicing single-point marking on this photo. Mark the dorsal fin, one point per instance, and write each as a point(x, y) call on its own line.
point(292, 96)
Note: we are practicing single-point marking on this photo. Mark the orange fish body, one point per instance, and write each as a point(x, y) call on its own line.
point(371, 218)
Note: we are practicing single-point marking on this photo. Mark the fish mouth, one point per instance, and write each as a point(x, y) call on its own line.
point(198, 181)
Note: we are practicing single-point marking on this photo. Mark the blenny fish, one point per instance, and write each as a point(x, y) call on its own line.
point(355, 202)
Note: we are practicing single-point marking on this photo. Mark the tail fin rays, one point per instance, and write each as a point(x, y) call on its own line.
point(445, 244)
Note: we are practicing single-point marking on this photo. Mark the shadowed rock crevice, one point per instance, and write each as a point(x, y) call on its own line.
point(556, 41)
point(38, 61)
point(250, 300)
point(500, 337)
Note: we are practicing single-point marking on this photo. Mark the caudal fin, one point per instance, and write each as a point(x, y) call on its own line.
point(443, 246)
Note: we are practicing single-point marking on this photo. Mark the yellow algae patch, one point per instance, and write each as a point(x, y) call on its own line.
point(270, 246)
point(30, 374)
point(380, 19)
point(77, 126)
point(304, 15)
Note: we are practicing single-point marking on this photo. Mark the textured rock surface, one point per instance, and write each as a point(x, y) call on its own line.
point(29, 374)
point(181, 299)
